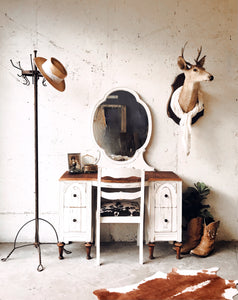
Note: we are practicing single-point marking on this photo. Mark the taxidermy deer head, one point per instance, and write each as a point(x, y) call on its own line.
point(194, 74)
point(185, 105)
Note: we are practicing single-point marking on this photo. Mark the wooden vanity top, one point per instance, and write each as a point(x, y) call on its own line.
point(149, 176)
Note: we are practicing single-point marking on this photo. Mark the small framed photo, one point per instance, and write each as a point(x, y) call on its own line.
point(74, 163)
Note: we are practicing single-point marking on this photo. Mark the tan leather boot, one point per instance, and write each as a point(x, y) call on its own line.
point(207, 243)
point(194, 232)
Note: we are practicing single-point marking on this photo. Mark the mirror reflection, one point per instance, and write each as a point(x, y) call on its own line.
point(120, 125)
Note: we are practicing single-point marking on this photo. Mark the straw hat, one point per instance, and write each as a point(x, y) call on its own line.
point(53, 71)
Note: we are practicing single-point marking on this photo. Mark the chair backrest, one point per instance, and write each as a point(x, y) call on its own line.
point(121, 177)
point(120, 172)
point(117, 180)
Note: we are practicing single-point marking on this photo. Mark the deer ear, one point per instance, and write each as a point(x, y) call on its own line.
point(201, 62)
point(182, 63)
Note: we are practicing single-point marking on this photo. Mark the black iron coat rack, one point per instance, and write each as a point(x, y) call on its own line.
point(35, 74)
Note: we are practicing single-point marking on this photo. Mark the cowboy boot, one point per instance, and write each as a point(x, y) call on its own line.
point(206, 245)
point(194, 232)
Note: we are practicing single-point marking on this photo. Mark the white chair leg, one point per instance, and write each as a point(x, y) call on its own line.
point(98, 225)
point(98, 253)
point(98, 243)
point(141, 245)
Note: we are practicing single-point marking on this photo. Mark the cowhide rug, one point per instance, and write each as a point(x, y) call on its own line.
point(178, 284)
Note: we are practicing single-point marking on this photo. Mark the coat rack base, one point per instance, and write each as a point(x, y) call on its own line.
point(38, 244)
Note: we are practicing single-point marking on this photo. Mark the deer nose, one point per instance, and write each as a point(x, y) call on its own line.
point(211, 77)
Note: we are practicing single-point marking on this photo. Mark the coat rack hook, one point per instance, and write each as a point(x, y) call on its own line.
point(44, 82)
point(27, 82)
point(19, 68)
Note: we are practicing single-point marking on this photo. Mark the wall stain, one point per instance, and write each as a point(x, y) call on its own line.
point(9, 18)
point(55, 45)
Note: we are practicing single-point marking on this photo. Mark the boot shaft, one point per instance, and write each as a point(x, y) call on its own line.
point(195, 228)
point(206, 245)
point(210, 230)
point(194, 232)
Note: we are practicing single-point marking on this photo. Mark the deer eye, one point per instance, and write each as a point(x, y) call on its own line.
point(195, 70)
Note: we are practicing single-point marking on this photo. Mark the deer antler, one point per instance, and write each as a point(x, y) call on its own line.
point(182, 54)
point(200, 62)
point(199, 53)
point(182, 50)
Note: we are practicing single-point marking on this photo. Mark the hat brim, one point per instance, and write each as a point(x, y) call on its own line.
point(59, 86)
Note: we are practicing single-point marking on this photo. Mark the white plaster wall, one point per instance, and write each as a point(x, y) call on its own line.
point(106, 44)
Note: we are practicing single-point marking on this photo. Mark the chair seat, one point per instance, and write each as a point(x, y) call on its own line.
point(120, 208)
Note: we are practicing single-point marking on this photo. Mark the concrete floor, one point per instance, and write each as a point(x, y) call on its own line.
point(76, 278)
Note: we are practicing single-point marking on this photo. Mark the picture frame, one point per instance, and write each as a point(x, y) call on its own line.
point(74, 163)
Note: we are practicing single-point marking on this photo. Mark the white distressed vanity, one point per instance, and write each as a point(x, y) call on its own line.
point(121, 128)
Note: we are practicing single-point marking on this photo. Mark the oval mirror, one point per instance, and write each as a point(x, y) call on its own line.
point(121, 124)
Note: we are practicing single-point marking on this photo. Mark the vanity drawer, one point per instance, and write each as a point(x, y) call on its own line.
point(75, 195)
point(75, 220)
point(165, 219)
point(165, 207)
point(165, 195)
point(75, 211)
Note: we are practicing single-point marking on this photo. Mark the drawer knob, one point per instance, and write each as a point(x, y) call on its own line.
point(166, 195)
point(74, 195)
point(74, 220)
point(166, 220)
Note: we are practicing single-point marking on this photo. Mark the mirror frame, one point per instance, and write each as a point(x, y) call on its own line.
point(137, 159)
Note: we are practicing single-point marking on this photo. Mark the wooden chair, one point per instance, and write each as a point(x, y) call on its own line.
point(115, 186)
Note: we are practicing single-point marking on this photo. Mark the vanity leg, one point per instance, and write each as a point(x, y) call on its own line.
point(178, 249)
point(61, 249)
point(151, 250)
point(88, 250)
